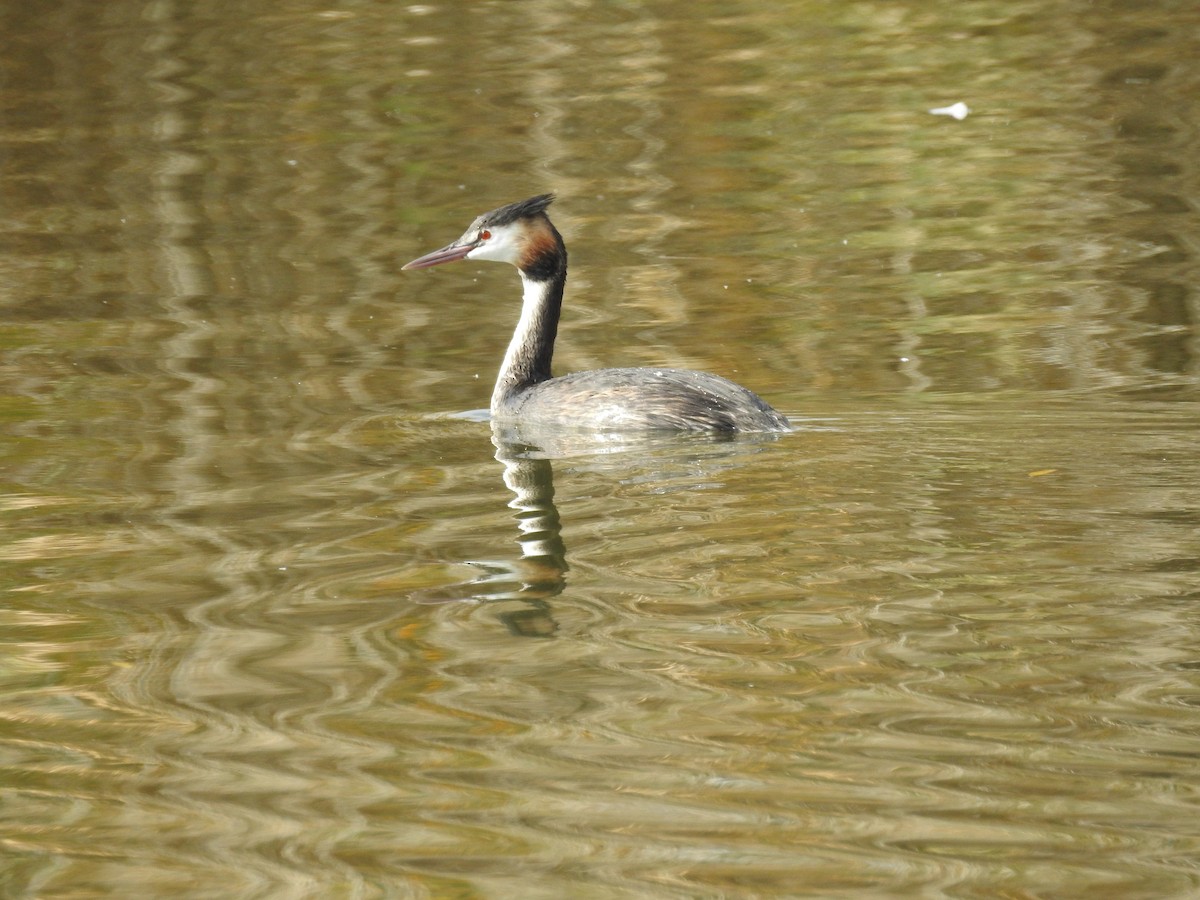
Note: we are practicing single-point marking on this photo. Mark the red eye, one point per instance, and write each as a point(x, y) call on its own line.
point(485, 235)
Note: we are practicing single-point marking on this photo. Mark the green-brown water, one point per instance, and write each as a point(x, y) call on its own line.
point(280, 620)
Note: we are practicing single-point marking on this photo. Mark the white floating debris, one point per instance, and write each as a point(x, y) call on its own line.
point(958, 110)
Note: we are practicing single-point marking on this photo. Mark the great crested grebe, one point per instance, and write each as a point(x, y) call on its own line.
point(602, 399)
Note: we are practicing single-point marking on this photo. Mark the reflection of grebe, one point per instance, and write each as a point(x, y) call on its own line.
point(603, 399)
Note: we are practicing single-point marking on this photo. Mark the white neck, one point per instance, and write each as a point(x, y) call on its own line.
point(527, 360)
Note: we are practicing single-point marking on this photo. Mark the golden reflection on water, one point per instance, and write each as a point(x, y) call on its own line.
point(943, 672)
point(280, 625)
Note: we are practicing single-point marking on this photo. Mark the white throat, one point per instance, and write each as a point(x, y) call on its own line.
point(533, 310)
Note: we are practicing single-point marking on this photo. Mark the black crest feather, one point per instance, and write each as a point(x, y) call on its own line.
point(522, 209)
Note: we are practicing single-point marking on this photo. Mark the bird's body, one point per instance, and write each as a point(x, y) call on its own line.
point(640, 398)
point(629, 399)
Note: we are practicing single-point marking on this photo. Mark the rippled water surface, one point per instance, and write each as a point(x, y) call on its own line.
point(284, 618)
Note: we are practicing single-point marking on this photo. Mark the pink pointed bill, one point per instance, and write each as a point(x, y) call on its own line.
point(451, 253)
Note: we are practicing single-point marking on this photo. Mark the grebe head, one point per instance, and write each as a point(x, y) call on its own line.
point(519, 234)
